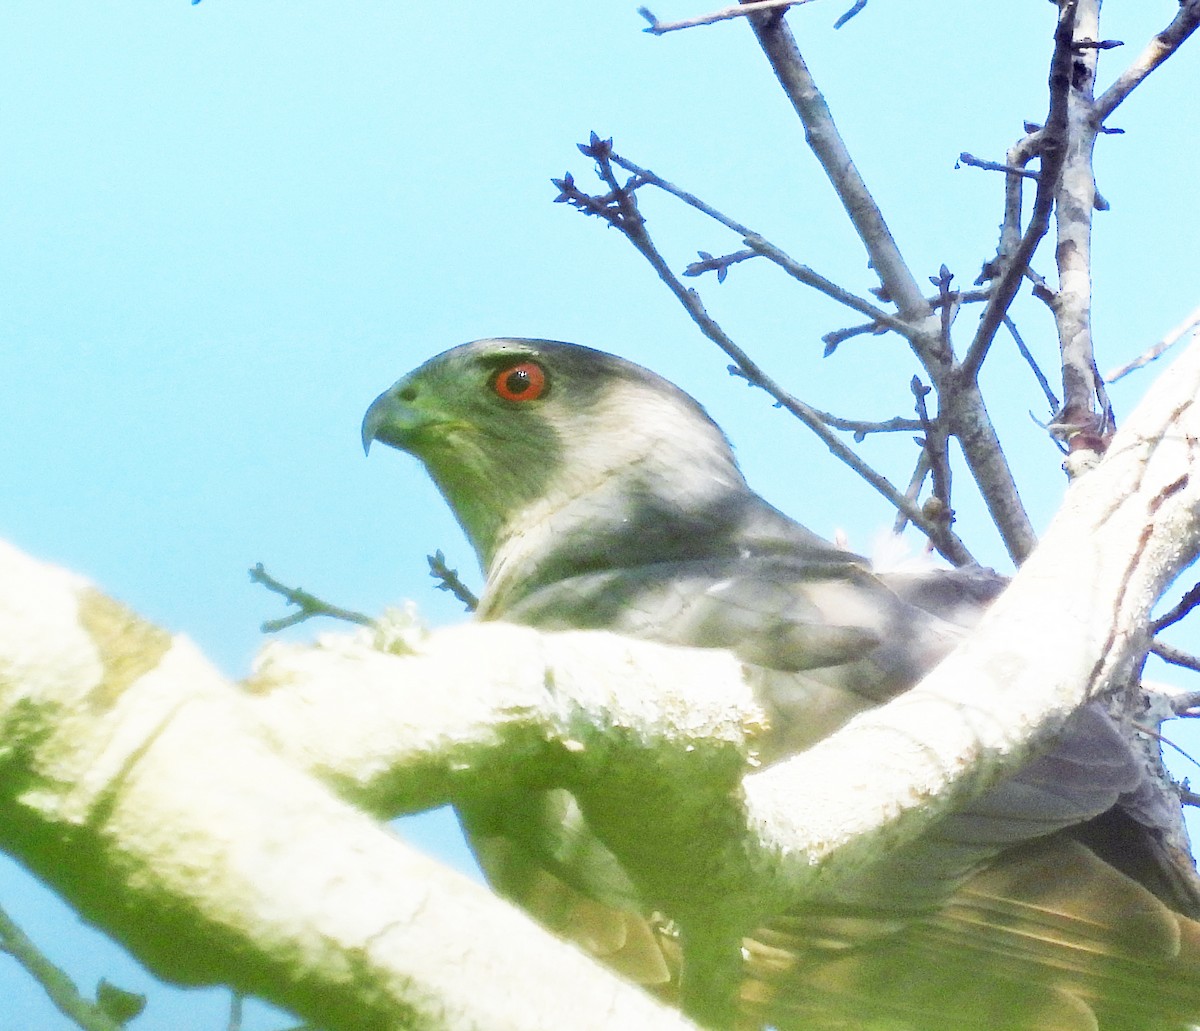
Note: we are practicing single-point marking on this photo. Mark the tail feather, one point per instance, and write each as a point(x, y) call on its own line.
point(1050, 938)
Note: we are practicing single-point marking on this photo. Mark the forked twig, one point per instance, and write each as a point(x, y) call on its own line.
point(619, 208)
point(309, 604)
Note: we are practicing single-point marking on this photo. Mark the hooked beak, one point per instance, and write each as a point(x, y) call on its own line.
point(376, 419)
point(401, 418)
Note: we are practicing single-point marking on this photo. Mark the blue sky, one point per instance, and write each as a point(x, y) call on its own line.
point(227, 227)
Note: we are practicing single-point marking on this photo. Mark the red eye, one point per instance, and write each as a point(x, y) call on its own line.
point(525, 381)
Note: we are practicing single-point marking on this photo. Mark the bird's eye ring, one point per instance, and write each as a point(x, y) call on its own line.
point(525, 381)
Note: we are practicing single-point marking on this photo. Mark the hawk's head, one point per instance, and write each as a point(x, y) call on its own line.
point(538, 445)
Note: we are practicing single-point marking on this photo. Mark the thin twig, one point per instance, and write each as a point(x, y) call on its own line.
point(1177, 611)
point(657, 28)
point(805, 275)
point(759, 245)
point(58, 986)
point(862, 428)
point(936, 452)
point(834, 337)
point(1108, 415)
point(947, 303)
point(720, 265)
point(1018, 156)
point(690, 199)
point(310, 605)
point(995, 166)
point(448, 581)
point(1166, 741)
point(1043, 382)
point(1162, 46)
point(1175, 656)
point(1165, 344)
point(913, 491)
point(858, 6)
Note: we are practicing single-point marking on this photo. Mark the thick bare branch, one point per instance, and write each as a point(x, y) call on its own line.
point(960, 402)
point(143, 786)
point(1081, 426)
point(1072, 624)
point(790, 69)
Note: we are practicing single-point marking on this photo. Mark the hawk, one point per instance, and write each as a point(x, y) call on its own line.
point(598, 495)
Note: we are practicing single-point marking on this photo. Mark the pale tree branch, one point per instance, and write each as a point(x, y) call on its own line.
point(1078, 424)
point(1162, 46)
point(1124, 532)
point(144, 788)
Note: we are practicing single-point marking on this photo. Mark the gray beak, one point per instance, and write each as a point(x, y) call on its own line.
point(375, 419)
